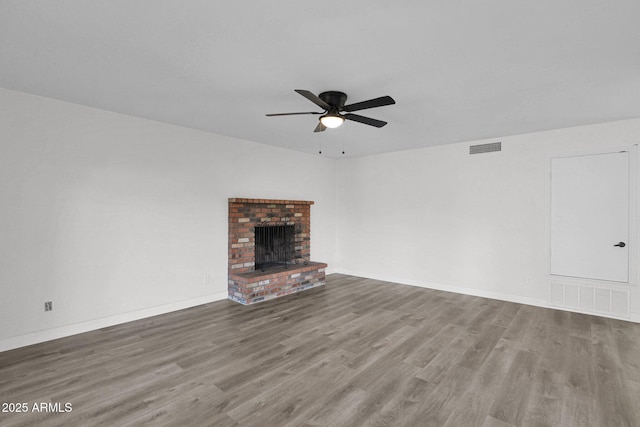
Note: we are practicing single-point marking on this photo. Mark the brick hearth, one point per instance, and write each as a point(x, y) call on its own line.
point(248, 286)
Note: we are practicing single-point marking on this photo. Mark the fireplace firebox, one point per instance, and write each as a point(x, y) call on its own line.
point(275, 245)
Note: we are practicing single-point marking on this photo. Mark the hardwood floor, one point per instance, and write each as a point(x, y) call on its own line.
point(353, 353)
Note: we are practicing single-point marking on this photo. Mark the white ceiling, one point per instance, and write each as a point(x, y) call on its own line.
point(459, 70)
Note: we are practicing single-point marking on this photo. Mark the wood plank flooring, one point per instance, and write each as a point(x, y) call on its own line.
point(356, 352)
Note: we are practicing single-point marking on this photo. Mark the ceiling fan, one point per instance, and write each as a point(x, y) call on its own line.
point(335, 112)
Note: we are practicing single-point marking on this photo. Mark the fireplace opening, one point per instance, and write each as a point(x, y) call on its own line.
point(274, 245)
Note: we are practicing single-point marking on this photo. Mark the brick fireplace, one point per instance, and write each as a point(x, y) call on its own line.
point(291, 270)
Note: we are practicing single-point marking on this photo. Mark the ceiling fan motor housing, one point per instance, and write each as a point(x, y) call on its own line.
point(334, 98)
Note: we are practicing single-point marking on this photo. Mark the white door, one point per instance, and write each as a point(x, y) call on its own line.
point(590, 216)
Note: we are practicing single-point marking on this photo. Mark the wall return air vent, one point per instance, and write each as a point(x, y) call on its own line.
point(485, 148)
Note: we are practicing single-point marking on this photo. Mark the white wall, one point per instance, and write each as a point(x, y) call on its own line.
point(440, 218)
point(114, 218)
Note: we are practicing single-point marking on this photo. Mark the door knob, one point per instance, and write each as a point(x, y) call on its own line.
point(621, 245)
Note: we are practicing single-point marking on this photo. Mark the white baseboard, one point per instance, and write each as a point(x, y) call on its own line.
point(91, 325)
point(633, 317)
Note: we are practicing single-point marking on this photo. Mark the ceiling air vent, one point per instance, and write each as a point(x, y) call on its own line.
point(485, 148)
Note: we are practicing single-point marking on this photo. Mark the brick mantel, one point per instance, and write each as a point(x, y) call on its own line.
point(248, 286)
point(271, 201)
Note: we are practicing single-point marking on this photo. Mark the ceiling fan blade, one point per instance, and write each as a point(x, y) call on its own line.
point(290, 114)
point(311, 97)
point(366, 120)
point(372, 103)
point(320, 127)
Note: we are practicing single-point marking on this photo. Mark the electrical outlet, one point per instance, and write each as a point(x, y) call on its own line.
point(48, 306)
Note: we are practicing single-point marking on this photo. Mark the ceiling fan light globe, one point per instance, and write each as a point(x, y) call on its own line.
point(331, 121)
